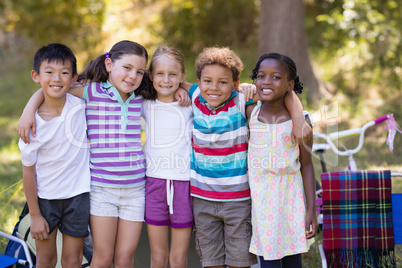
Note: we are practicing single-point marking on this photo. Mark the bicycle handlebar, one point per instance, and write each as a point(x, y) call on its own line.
point(337, 135)
point(381, 119)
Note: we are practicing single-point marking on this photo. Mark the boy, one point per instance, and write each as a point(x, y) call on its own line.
point(219, 181)
point(56, 174)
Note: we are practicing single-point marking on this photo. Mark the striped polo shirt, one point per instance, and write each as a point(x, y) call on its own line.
point(116, 156)
point(219, 149)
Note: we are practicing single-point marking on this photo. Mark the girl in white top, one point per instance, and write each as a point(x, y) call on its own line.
point(167, 152)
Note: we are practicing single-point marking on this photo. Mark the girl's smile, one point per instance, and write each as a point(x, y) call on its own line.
point(272, 80)
point(126, 73)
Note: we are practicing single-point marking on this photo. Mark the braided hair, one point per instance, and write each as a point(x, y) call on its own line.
point(291, 66)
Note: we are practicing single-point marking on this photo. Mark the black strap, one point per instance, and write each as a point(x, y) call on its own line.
point(27, 233)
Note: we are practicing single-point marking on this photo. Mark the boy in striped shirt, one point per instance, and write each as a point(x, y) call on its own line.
point(219, 181)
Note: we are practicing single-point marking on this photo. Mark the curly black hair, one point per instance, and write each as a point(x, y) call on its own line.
point(292, 71)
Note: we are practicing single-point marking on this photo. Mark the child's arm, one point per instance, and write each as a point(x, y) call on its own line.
point(302, 132)
point(185, 85)
point(249, 91)
point(27, 120)
point(249, 110)
point(39, 226)
point(307, 172)
point(182, 96)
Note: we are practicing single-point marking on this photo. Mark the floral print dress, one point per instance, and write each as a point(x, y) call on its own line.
point(277, 193)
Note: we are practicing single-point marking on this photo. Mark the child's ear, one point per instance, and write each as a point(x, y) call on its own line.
point(108, 64)
point(35, 76)
point(291, 85)
point(183, 77)
point(235, 85)
point(74, 79)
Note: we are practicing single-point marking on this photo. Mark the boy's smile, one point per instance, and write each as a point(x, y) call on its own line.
point(216, 84)
point(55, 78)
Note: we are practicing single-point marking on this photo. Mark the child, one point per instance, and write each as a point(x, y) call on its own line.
point(56, 173)
point(281, 176)
point(113, 110)
point(167, 151)
point(219, 183)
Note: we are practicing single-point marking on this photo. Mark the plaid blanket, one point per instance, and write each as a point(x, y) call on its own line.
point(357, 228)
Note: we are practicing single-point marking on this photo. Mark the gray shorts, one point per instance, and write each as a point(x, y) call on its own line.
point(70, 215)
point(223, 232)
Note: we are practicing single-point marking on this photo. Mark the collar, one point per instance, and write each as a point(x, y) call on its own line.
point(107, 86)
point(234, 94)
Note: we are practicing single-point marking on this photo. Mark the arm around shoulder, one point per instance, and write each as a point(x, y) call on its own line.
point(27, 120)
point(302, 132)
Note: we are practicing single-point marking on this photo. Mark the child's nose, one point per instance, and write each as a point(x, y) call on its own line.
point(166, 78)
point(133, 74)
point(57, 77)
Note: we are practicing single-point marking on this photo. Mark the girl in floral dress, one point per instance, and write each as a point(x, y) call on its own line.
point(281, 174)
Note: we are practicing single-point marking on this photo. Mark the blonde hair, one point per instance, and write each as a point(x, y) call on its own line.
point(170, 52)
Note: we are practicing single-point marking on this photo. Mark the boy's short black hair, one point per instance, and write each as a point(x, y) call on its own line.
point(55, 52)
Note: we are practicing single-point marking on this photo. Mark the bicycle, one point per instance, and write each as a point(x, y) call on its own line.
point(321, 148)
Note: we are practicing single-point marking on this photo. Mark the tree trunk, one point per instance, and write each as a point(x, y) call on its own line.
point(282, 30)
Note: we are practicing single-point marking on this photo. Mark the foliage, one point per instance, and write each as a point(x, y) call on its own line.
point(192, 25)
point(77, 23)
point(362, 38)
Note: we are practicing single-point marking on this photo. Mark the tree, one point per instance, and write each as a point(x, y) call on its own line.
point(77, 23)
point(282, 30)
point(193, 25)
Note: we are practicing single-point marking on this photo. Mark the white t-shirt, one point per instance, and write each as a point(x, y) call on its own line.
point(168, 130)
point(60, 152)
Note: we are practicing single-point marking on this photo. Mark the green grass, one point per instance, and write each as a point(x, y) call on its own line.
point(12, 197)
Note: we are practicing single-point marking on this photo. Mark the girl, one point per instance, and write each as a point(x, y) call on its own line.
point(167, 150)
point(281, 176)
point(113, 109)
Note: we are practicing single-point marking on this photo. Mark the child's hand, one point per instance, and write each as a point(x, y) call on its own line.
point(25, 124)
point(182, 96)
point(249, 90)
point(39, 228)
point(311, 224)
point(302, 135)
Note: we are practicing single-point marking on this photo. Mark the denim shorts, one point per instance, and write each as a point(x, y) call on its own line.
point(168, 202)
point(124, 203)
point(70, 216)
point(223, 232)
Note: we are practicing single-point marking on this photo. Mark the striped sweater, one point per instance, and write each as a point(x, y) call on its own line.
point(219, 149)
point(116, 156)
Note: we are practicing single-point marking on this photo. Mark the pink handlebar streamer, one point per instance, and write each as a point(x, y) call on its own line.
point(392, 128)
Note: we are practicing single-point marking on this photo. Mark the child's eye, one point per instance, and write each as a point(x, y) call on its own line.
point(67, 73)
point(140, 73)
point(173, 74)
point(260, 76)
point(276, 77)
point(223, 82)
point(126, 67)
